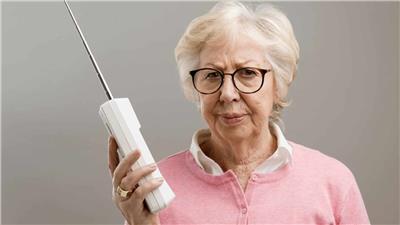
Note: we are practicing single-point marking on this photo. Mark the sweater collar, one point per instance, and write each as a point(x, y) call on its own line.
point(281, 156)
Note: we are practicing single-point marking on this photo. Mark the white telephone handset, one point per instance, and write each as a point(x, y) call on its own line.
point(121, 122)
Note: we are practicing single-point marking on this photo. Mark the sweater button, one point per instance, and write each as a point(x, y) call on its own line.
point(244, 210)
point(253, 177)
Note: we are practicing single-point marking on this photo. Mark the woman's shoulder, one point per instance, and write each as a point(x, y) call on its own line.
point(320, 164)
point(176, 168)
point(174, 160)
point(331, 178)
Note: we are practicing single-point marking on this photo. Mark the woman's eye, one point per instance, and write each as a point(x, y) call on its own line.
point(212, 75)
point(248, 73)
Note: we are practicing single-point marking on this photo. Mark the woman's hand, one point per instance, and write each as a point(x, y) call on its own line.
point(133, 207)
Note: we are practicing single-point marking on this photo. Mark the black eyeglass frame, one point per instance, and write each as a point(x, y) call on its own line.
point(222, 74)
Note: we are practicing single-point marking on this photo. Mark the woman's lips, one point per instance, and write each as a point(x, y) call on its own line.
point(232, 119)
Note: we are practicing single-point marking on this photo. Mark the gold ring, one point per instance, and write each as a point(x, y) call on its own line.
point(121, 192)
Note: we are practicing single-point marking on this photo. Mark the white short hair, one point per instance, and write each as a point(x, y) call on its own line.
point(222, 24)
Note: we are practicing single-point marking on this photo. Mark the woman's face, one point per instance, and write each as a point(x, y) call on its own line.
point(230, 114)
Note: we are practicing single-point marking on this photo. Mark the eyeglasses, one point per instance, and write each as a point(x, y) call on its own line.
point(247, 80)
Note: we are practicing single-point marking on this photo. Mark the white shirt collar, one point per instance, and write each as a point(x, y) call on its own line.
point(281, 156)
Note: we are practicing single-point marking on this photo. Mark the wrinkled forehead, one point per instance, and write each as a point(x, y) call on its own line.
point(241, 48)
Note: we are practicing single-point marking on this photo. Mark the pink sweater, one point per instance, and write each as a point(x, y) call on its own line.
point(314, 189)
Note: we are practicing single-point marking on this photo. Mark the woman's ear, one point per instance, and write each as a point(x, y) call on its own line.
point(275, 92)
point(198, 105)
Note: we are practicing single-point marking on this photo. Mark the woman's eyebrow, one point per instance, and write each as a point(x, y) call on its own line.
point(236, 64)
point(212, 65)
point(242, 63)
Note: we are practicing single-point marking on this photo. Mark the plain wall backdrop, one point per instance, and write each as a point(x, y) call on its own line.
point(54, 145)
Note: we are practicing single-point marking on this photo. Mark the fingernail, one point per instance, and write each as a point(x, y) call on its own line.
point(153, 166)
point(135, 152)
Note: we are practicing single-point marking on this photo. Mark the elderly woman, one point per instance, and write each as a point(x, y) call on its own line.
point(236, 64)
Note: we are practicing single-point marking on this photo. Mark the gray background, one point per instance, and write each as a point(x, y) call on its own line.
point(54, 153)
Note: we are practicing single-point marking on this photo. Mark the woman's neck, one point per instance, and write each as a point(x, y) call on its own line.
point(241, 156)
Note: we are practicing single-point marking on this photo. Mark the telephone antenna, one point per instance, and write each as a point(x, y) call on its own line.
point(99, 74)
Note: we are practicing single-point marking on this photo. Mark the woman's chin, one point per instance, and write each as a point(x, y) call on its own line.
point(233, 130)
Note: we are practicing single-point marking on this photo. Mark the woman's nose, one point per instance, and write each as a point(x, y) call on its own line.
point(228, 91)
